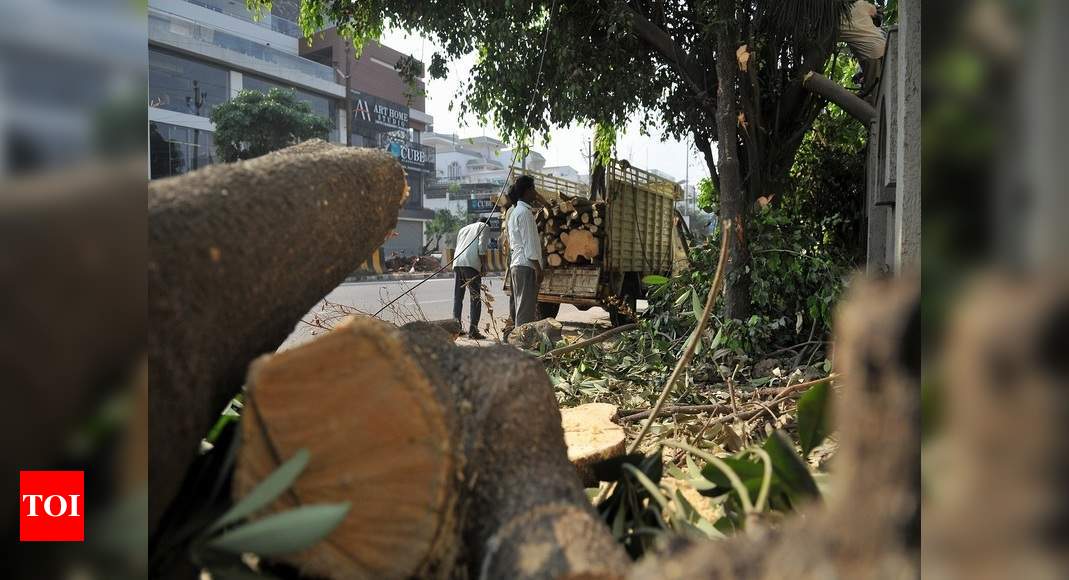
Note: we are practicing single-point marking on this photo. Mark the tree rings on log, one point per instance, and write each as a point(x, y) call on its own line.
point(579, 243)
point(379, 437)
point(591, 436)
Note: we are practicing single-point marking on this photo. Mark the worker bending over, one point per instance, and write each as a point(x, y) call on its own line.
point(469, 265)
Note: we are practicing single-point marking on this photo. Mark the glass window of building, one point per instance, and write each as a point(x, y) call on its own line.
point(175, 150)
point(177, 83)
point(322, 106)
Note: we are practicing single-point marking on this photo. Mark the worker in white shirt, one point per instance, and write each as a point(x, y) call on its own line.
point(859, 30)
point(525, 250)
point(469, 265)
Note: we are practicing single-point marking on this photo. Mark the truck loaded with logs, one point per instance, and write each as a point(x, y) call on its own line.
point(600, 241)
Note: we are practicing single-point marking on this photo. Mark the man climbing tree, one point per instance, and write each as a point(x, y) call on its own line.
point(607, 62)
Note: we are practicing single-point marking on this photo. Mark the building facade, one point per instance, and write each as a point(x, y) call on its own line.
point(470, 171)
point(203, 52)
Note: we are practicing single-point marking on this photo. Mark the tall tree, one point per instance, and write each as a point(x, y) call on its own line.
point(606, 61)
point(254, 123)
point(444, 223)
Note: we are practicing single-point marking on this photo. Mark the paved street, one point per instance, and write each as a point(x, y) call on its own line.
point(431, 301)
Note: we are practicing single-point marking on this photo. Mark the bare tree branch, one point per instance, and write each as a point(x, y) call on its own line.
point(821, 85)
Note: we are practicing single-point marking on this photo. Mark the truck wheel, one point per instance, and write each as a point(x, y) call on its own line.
point(548, 309)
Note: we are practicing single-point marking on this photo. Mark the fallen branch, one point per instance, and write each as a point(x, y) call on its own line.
point(688, 351)
point(593, 340)
point(676, 410)
point(778, 395)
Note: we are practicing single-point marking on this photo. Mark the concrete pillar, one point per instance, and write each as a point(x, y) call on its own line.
point(908, 186)
point(343, 124)
point(237, 82)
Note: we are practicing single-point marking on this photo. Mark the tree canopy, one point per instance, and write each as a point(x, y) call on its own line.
point(254, 123)
point(607, 62)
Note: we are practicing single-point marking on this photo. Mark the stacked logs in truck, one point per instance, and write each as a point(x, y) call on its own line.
point(572, 229)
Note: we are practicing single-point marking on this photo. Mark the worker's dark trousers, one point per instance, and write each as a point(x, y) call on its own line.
point(472, 280)
point(524, 295)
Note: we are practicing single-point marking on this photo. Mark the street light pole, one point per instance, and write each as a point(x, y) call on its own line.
point(348, 95)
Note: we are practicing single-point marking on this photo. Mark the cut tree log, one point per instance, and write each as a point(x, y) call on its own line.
point(452, 468)
point(579, 243)
point(238, 253)
point(585, 218)
point(597, 221)
point(591, 436)
point(553, 260)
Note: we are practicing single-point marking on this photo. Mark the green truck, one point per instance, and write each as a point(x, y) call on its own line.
point(640, 234)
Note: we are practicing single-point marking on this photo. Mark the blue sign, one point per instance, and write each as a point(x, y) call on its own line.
point(480, 205)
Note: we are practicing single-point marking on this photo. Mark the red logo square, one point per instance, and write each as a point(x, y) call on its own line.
point(51, 506)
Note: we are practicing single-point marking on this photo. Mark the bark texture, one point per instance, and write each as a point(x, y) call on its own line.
point(734, 203)
point(453, 457)
point(1005, 406)
point(877, 471)
point(237, 254)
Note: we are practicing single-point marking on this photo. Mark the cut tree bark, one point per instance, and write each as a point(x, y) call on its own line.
point(237, 254)
point(532, 335)
point(579, 243)
point(453, 468)
point(591, 436)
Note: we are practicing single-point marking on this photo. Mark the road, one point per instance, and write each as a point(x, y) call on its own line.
point(433, 300)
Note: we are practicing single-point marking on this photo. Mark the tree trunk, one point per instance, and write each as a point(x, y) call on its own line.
point(734, 205)
point(237, 254)
point(452, 467)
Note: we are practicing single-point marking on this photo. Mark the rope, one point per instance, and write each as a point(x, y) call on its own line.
point(527, 117)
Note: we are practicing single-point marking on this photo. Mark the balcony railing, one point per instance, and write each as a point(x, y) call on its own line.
point(174, 30)
point(238, 10)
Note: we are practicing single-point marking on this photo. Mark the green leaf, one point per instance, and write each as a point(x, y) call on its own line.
point(813, 416)
point(789, 468)
point(749, 472)
point(283, 533)
point(654, 280)
point(654, 491)
point(696, 304)
point(683, 297)
point(266, 491)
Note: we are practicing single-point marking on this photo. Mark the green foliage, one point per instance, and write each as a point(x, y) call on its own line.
point(636, 504)
point(254, 123)
point(220, 545)
point(813, 410)
point(763, 478)
point(708, 196)
point(444, 223)
point(604, 142)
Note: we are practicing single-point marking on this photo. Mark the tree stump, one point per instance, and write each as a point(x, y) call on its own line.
point(453, 467)
point(591, 437)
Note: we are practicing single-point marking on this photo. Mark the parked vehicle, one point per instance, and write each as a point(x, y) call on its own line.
point(638, 233)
